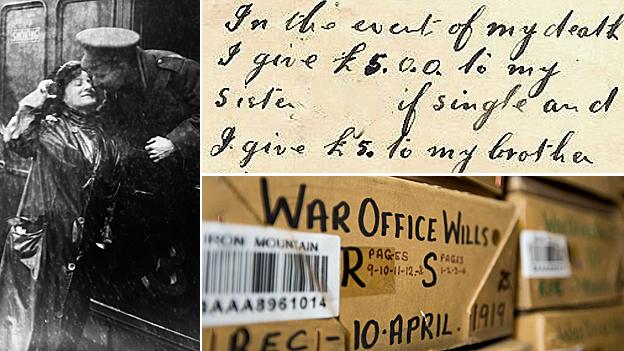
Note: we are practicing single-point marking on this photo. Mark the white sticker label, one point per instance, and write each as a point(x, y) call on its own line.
point(544, 255)
point(253, 274)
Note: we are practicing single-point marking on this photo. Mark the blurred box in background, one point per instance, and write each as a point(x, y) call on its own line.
point(591, 329)
point(500, 345)
point(606, 188)
point(572, 247)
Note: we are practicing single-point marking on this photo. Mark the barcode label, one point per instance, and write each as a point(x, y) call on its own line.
point(264, 272)
point(544, 255)
point(254, 274)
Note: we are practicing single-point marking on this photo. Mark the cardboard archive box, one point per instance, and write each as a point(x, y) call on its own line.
point(591, 329)
point(592, 241)
point(602, 187)
point(484, 186)
point(502, 345)
point(421, 267)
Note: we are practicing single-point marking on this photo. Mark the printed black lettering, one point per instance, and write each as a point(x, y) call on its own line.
point(320, 217)
point(290, 344)
point(271, 214)
point(239, 340)
point(349, 269)
point(340, 213)
point(434, 277)
point(396, 330)
point(267, 343)
point(362, 216)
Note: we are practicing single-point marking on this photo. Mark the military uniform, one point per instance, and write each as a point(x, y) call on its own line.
point(159, 201)
point(165, 103)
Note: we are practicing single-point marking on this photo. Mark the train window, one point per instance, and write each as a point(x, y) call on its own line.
point(74, 16)
point(23, 53)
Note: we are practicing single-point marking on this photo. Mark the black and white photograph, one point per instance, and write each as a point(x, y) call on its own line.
point(99, 175)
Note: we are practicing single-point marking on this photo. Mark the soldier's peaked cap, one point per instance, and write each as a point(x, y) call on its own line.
point(108, 38)
point(104, 44)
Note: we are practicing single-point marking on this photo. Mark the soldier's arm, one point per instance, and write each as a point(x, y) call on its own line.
point(186, 83)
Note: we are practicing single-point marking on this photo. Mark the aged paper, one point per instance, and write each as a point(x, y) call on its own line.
point(412, 86)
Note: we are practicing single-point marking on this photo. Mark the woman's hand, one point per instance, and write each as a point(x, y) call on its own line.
point(38, 96)
point(22, 118)
point(44, 90)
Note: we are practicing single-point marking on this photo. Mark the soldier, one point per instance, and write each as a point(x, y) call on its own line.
point(153, 95)
point(152, 107)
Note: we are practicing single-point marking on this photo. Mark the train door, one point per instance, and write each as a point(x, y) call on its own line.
point(22, 64)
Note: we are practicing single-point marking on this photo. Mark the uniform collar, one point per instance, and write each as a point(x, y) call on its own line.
point(147, 68)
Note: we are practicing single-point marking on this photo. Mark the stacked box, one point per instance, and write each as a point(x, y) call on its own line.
point(601, 187)
point(585, 329)
point(501, 345)
point(570, 257)
point(482, 185)
point(421, 267)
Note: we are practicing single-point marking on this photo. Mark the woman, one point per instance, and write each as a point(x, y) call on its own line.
point(47, 263)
